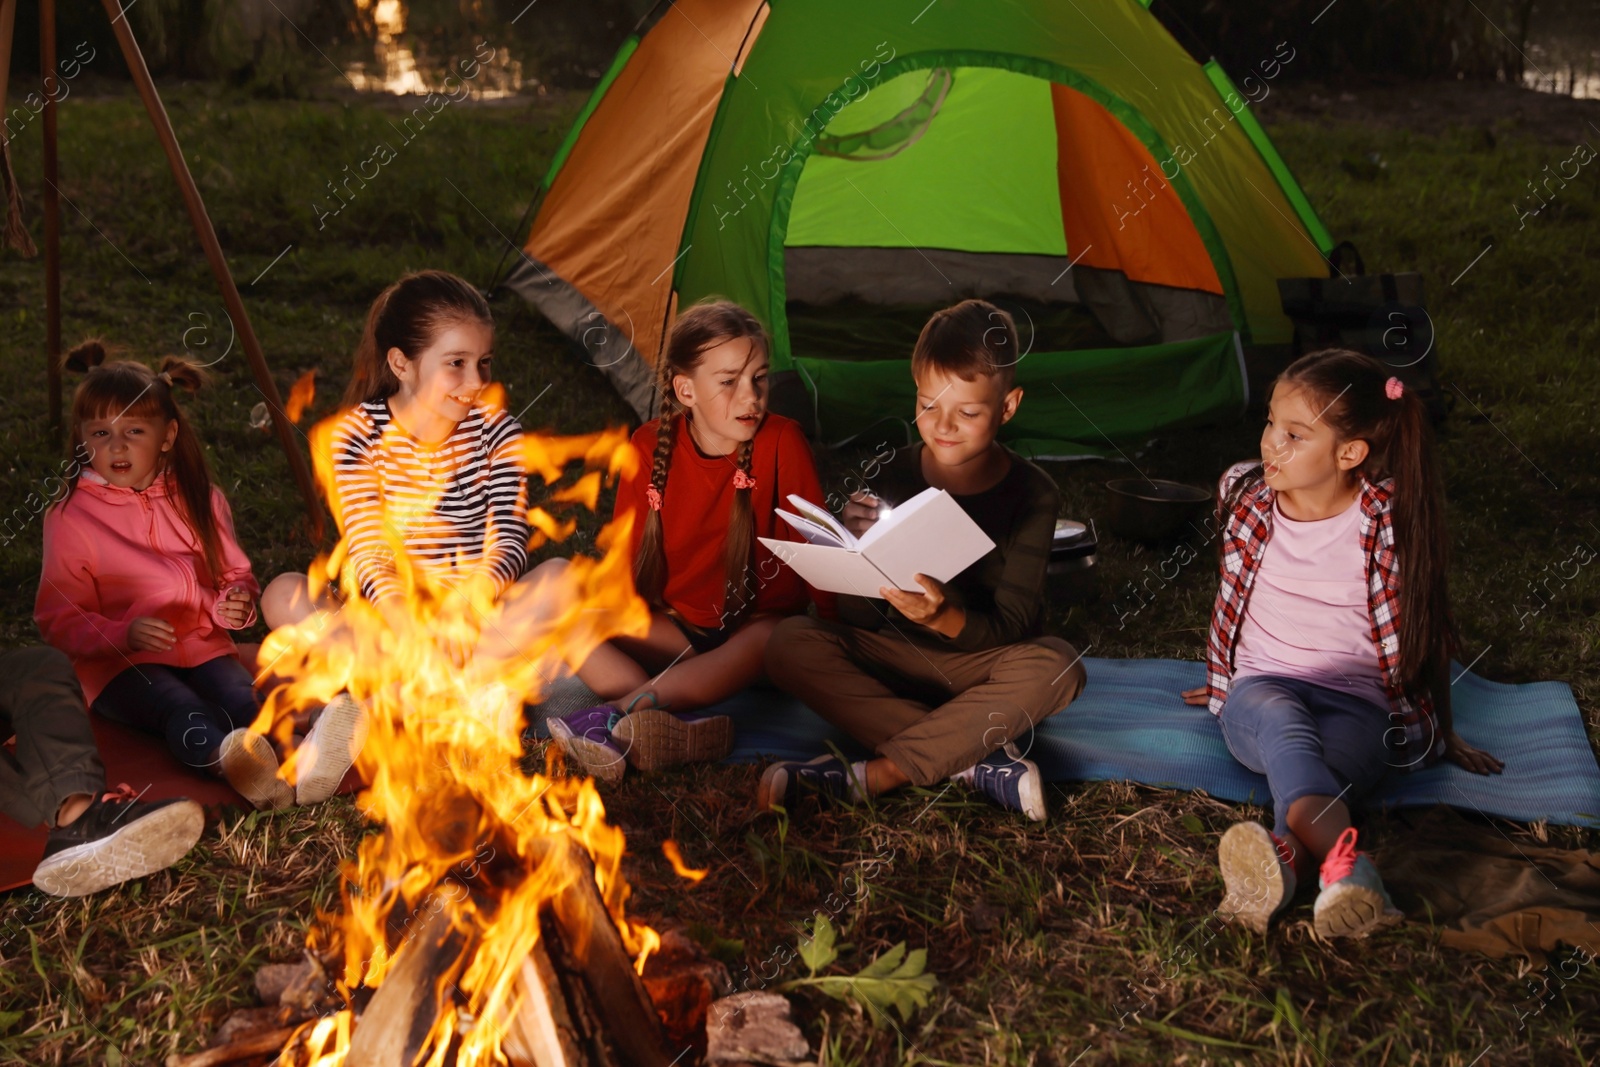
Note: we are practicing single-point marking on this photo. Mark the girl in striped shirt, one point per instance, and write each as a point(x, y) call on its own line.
point(425, 469)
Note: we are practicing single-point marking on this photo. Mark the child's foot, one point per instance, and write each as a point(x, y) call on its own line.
point(1352, 901)
point(1257, 872)
point(115, 839)
point(828, 778)
point(585, 736)
point(655, 739)
point(250, 765)
point(1012, 783)
point(329, 749)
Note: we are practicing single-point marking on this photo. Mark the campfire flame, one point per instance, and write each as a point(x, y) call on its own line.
point(464, 831)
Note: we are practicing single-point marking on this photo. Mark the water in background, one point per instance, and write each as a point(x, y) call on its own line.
point(1563, 50)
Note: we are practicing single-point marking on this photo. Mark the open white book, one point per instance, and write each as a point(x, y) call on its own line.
point(928, 534)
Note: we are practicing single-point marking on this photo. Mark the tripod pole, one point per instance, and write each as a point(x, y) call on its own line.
point(51, 199)
point(219, 265)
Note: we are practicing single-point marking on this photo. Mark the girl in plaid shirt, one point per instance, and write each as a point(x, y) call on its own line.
point(1329, 650)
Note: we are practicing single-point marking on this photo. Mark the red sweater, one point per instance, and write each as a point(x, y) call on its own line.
point(694, 518)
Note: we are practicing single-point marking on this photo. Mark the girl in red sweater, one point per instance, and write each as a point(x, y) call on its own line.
point(716, 464)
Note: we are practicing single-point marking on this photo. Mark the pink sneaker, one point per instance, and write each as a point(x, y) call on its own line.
point(1353, 902)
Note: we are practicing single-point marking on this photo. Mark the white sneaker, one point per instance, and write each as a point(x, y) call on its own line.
point(329, 749)
point(250, 765)
point(1259, 882)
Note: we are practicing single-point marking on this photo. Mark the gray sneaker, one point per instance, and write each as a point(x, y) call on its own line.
point(1259, 882)
point(1352, 901)
point(250, 765)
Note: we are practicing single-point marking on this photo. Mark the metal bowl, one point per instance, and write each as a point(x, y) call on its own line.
point(1152, 510)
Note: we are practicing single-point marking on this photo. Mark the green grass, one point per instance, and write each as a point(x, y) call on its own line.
point(1046, 938)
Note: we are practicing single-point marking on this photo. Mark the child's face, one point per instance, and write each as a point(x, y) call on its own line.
point(727, 392)
point(959, 419)
point(1299, 449)
point(445, 378)
point(129, 452)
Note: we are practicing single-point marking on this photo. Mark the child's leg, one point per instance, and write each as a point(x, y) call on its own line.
point(155, 698)
point(287, 600)
point(698, 680)
point(1271, 727)
point(56, 770)
point(227, 685)
point(1353, 748)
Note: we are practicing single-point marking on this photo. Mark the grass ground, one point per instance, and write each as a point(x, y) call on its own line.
point(1085, 940)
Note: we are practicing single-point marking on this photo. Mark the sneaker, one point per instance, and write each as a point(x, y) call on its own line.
point(655, 739)
point(786, 784)
point(1352, 901)
point(250, 765)
point(329, 750)
point(1012, 783)
point(585, 736)
point(118, 837)
point(1257, 872)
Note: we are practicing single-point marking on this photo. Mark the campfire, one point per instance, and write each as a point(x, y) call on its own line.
point(486, 923)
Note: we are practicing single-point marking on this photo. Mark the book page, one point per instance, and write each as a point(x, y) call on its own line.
point(812, 532)
point(833, 570)
point(820, 516)
point(935, 538)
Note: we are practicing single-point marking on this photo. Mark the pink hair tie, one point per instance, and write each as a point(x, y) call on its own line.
point(652, 496)
point(1393, 388)
point(741, 480)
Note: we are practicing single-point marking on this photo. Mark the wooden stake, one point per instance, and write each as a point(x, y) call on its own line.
point(213, 250)
point(257, 1044)
point(395, 1025)
point(50, 198)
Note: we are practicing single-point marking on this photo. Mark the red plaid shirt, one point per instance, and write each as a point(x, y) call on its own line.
point(1245, 531)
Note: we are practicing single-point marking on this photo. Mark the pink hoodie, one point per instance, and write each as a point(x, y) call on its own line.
point(114, 555)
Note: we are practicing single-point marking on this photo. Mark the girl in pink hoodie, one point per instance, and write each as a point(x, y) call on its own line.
point(143, 578)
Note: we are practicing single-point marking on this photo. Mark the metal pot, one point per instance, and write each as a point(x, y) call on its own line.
point(1152, 510)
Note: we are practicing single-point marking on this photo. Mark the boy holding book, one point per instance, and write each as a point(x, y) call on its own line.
point(942, 684)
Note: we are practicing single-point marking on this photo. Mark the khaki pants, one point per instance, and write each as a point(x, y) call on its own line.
point(41, 702)
point(932, 711)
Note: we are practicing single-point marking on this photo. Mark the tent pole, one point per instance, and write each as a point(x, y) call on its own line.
point(51, 199)
point(219, 264)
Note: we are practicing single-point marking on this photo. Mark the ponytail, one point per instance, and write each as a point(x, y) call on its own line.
point(131, 389)
point(408, 315)
point(1362, 401)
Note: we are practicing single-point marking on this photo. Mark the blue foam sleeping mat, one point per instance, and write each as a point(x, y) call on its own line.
point(1131, 724)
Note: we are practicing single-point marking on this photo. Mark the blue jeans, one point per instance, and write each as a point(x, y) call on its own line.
point(193, 707)
point(1307, 739)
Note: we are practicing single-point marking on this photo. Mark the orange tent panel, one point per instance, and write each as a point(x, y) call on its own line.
point(637, 159)
point(1118, 210)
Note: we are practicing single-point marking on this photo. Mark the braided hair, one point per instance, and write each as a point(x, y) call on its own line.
point(701, 328)
point(128, 389)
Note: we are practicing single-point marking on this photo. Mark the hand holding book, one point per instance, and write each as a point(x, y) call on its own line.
point(928, 536)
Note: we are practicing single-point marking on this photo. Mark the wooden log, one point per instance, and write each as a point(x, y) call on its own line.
point(395, 1025)
point(257, 1044)
point(542, 1033)
point(627, 1016)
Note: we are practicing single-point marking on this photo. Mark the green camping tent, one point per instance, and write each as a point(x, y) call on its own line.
point(843, 169)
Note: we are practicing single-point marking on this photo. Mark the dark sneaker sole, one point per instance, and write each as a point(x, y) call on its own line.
point(250, 765)
point(1347, 910)
point(595, 758)
point(1253, 875)
point(150, 843)
point(336, 738)
point(654, 739)
point(772, 792)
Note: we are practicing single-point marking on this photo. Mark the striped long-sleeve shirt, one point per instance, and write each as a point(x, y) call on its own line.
point(456, 506)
